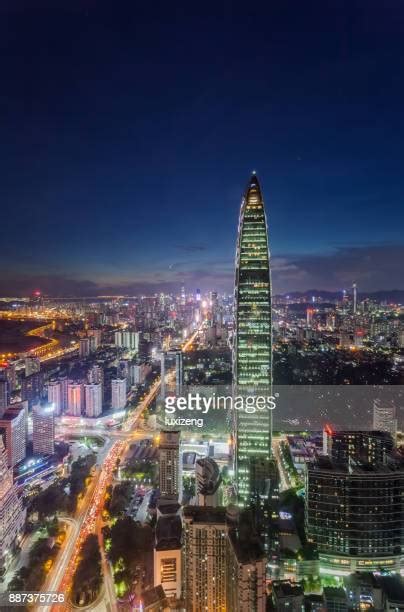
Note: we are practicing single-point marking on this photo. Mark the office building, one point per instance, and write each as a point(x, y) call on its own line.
point(13, 428)
point(43, 429)
point(368, 447)
point(385, 416)
point(353, 513)
point(118, 393)
point(167, 555)
point(55, 396)
point(75, 399)
point(93, 399)
point(252, 347)
point(169, 463)
point(12, 514)
point(224, 564)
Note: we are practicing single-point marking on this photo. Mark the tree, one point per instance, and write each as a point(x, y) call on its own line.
point(87, 579)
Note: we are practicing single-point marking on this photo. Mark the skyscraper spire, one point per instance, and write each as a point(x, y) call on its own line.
point(252, 347)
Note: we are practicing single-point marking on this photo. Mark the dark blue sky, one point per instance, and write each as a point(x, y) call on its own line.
point(128, 131)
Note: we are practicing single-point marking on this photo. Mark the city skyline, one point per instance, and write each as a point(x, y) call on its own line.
point(108, 191)
point(202, 401)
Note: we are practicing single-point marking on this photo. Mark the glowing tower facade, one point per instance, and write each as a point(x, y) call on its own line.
point(12, 514)
point(252, 346)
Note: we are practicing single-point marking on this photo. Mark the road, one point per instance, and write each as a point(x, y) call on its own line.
point(88, 517)
point(20, 559)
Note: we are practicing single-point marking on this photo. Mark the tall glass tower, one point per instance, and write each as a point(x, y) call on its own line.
point(252, 347)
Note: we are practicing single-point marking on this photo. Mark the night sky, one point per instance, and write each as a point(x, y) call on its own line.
point(128, 131)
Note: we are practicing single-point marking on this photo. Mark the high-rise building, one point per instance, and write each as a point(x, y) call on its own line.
point(385, 416)
point(122, 371)
point(13, 428)
point(32, 388)
point(353, 513)
point(167, 555)
point(208, 479)
point(32, 365)
point(169, 463)
point(138, 373)
point(55, 396)
point(118, 338)
point(75, 398)
point(223, 561)
point(95, 375)
point(367, 447)
point(93, 399)
point(84, 347)
point(127, 339)
point(354, 298)
point(205, 555)
point(95, 336)
point(64, 385)
point(246, 570)
point(130, 340)
point(179, 371)
point(4, 394)
point(8, 372)
point(118, 393)
point(12, 514)
point(43, 429)
point(252, 346)
point(163, 375)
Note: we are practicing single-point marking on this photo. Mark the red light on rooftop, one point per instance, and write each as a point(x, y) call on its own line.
point(328, 430)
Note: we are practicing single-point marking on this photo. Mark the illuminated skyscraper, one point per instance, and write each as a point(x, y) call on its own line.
point(252, 348)
point(93, 399)
point(43, 429)
point(12, 514)
point(55, 395)
point(75, 398)
point(118, 393)
point(169, 463)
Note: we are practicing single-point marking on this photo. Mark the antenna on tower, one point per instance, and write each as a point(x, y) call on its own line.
point(354, 298)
